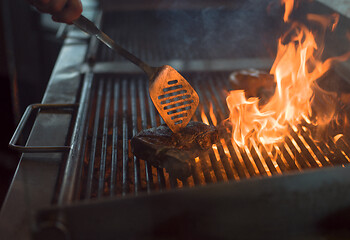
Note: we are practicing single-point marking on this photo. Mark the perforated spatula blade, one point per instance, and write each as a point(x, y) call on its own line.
point(173, 97)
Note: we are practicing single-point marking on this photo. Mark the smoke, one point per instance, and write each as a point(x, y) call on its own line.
point(243, 30)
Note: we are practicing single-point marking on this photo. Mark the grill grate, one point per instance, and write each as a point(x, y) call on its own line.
point(120, 107)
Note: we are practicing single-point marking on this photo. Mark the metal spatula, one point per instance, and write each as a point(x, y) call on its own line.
point(174, 98)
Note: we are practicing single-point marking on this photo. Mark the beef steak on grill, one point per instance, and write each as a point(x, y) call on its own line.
point(174, 151)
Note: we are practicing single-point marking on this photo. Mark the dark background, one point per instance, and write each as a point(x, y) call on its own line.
point(8, 159)
point(28, 50)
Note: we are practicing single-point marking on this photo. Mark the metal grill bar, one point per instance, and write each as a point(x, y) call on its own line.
point(342, 144)
point(144, 125)
point(286, 152)
point(94, 146)
point(225, 162)
point(160, 173)
point(114, 163)
point(125, 185)
point(104, 140)
point(303, 148)
point(237, 160)
point(122, 107)
point(320, 156)
point(254, 153)
point(134, 132)
point(340, 156)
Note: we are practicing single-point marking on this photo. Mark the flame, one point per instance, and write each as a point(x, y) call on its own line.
point(337, 137)
point(325, 21)
point(289, 4)
point(204, 117)
point(212, 115)
point(197, 160)
point(297, 66)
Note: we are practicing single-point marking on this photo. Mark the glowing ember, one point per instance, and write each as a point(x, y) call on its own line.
point(296, 68)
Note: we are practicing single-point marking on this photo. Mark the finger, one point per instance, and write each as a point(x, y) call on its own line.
point(70, 12)
point(57, 6)
point(50, 6)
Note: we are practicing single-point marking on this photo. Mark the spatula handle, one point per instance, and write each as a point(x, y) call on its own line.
point(90, 28)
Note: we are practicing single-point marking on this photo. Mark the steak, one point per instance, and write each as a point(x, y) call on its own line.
point(174, 151)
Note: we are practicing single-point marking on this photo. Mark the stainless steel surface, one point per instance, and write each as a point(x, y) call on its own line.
point(340, 6)
point(22, 124)
point(36, 177)
point(290, 206)
point(65, 194)
point(200, 65)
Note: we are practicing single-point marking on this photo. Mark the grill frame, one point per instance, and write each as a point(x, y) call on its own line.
point(30, 196)
point(132, 110)
point(306, 206)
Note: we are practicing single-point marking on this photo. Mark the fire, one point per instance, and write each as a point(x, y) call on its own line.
point(337, 137)
point(204, 117)
point(297, 66)
point(289, 7)
point(211, 114)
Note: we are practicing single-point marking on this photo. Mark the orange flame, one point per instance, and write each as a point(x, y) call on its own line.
point(289, 4)
point(211, 114)
point(204, 117)
point(325, 21)
point(296, 67)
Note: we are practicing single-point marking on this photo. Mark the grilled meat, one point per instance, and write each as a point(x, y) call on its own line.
point(174, 151)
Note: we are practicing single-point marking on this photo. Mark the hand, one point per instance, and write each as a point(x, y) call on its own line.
point(61, 10)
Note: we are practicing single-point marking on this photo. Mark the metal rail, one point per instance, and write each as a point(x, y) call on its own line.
point(23, 122)
point(67, 186)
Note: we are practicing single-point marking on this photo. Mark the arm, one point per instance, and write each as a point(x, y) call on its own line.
point(61, 10)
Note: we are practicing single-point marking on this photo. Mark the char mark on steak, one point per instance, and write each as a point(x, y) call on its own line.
point(174, 151)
